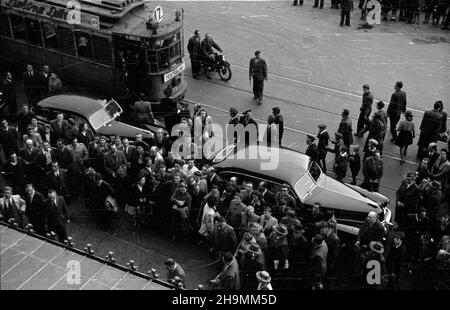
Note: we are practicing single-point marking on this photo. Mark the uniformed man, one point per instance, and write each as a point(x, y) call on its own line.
point(257, 70)
point(194, 48)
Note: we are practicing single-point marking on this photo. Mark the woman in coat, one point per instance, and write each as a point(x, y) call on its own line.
point(137, 201)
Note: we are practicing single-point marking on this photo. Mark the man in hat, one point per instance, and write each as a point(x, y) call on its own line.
point(395, 259)
point(372, 172)
point(235, 119)
point(194, 49)
point(278, 248)
point(322, 146)
point(258, 71)
point(228, 278)
point(298, 247)
point(175, 273)
point(365, 110)
point(397, 106)
point(333, 243)
point(429, 129)
point(248, 122)
point(279, 121)
point(319, 255)
point(345, 128)
point(407, 197)
point(312, 150)
point(251, 262)
point(264, 277)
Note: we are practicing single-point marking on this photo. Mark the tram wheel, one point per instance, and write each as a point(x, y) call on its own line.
point(225, 72)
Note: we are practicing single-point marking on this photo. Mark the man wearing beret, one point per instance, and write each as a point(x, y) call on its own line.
point(257, 70)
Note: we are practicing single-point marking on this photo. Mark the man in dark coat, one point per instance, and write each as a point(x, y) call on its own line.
point(257, 70)
point(31, 84)
point(395, 259)
point(208, 58)
point(43, 78)
point(57, 216)
point(377, 132)
point(57, 180)
point(312, 150)
point(432, 154)
point(224, 236)
point(407, 198)
point(59, 127)
point(248, 122)
point(372, 171)
point(322, 145)
point(175, 273)
point(194, 49)
point(396, 107)
point(346, 8)
point(35, 209)
point(371, 230)
point(341, 164)
point(365, 110)
point(345, 128)
point(415, 226)
point(334, 245)
point(267, 195)
point(97, 192)
point(9, 138)
point(214, 179)
point(24, 118)
point(9, 96)
point(429, 129)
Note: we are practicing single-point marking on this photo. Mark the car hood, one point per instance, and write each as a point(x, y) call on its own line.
point(124, 130)
point(336, 195)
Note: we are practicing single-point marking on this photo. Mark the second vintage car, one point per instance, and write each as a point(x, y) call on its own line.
point(308, 184)
point(101, 115)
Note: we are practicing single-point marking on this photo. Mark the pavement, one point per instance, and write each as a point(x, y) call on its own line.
point(316, 69)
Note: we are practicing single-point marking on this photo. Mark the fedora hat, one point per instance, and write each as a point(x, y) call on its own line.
point(377, 247)
point(263, 276)
point(254, 248)
point(281, 229)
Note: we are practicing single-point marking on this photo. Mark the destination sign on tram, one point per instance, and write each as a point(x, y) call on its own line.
point(50, 11)
point(174, 73)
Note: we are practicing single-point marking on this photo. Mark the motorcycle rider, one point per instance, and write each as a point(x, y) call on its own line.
point(207, 46)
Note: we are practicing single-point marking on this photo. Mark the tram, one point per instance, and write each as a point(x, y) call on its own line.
point(115, 47)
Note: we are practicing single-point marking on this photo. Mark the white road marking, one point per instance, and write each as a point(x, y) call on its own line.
point(328, 88)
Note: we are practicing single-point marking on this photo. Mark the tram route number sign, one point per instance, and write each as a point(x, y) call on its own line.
point(55, 12)
point(158, 14)
point(174, 73)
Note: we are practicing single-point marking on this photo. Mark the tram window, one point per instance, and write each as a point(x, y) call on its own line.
point(102, 50)
point(65, 39)
point(83, 44)
point(18, 27)
point(4, 25)
point(34, 31)
point(49, 33)
point(163, 59)
point(175, 50)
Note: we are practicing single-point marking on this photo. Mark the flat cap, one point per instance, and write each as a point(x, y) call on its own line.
point(257, 52)
point(276, 109)
point(322, 126)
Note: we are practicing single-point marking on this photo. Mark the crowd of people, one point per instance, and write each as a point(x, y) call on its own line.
point(408, 11)
point(255, 234)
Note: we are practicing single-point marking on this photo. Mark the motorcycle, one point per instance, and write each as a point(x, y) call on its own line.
point(221, 66)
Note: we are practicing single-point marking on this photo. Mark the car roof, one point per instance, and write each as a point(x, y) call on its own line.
point(291, 166)
point(80, 104)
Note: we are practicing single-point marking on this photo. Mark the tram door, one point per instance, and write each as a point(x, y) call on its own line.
point(130, 65)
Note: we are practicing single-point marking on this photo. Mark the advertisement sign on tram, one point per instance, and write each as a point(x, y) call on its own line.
point(51, 11)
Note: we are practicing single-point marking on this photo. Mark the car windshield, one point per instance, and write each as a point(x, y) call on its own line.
point(109, 112)
point(309, 181)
